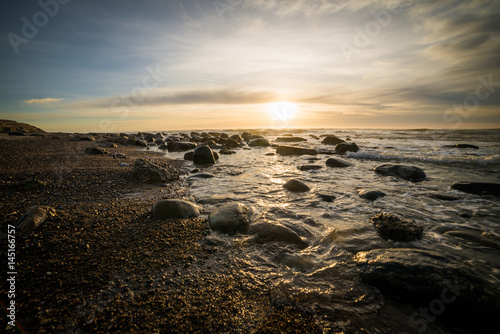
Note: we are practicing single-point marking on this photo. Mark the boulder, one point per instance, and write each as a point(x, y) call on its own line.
point(346, 147)
point(261, 142)
point(290, 139)
point(326, 198)
point(189, 156)
point(392, 227)
point(309, 167)
point(148, 171)
point(231, 142)
point(203, 155)
point(405, 172)
point(296, 186)
point(478, 188)
point(175, 208)
point(336, 162)
point(34, 218)
point(269, 231)
point(371, 195)
point(163, 147)
point(95, 150)
point(295, 150)
point(230, 218)
point(331, 140)
point(180, 146)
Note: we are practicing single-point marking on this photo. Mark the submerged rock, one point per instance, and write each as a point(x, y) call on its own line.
point(346, 147)
point(296, 185)
point(331, 140)
point(295, 150)
point(230, 218)
point(410, 173)
point(392, 227)
point(261, 142)
point(269, 231)
point(34, 218)
point(326, 198)
point(203, 155)
point(478, 188)
point(309, 167)
point(371, 195)
point(335, 162)
point(175, 208)
point(444, 197)
point(462, 146)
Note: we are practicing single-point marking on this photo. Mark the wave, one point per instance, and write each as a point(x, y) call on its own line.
point(482, 161)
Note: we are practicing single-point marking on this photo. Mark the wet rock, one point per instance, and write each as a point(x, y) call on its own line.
point(226, 152)
point(295, 150)
point(443, 197)
point(202, 176)
point(432, 279)
point(462, 146)
point(180, 146)
point(261, 142)
point(141, 143)
point(174, 208)
point(309, 167)
point(230, 218)
point(326, 198)
point(331, 140)
point(95, 150)
point(346, 147)
point(148, 171)
point(478, 188)
point(392, 227)
point(189, 156)
point(410, 173)
point(163, 147)
point(269, 231)
point(482, 239)
point(371, 195)
point(34, 218)
point(203, 155)
point(290, 139)
point(296, 186)
point(231, 142)
point(336, 162)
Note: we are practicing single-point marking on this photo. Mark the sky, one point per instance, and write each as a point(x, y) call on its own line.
point(111, 66)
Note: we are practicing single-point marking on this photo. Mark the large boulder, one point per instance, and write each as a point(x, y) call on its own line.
point(346, 147)
point(181, 146)
point(262, 142)
point(148, 171)
point(478, 188)
point(175, 208)
point(269, 231)
point(336, 162)
point(34, 218)
point(296, 186)
point(230, 218)
point(405, 172)
point(392, 227)
point(331, 140)
point(295, 150)
point(231, 142)
point(203, 155)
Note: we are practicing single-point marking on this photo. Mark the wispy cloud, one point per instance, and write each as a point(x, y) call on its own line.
point(42, 101)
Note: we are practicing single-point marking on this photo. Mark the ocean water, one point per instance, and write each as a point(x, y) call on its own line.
point(324, 275)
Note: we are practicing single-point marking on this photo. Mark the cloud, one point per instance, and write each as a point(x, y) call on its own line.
point(42, 101)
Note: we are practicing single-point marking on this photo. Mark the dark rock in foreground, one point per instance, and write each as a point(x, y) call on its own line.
point(203, 155)
point(371, 195)
point(392, 227)
point(409, 173)
point(296, 186)
point(269, 231)
point(174, 208)
point(261, 142)
point(331, 140)
point(478, 188)
point(295, 150)
point(34, 218)
point(230, 218)
point(346, 147)
point(335, 162)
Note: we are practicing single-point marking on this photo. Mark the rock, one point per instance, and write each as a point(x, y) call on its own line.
point(174, 208)
point(290, 139)
point(371, 195)
point(189, 156)
point(346, 147)
point(335, 162)
point(331, 140)
point(296, 186)
point(326, 198)
point(462, 146)
point(202, 175)
point(180, 146)
point(34, 218)
point(270, 154)
point(15, 133)
point(444, 197)
point(410, 173)
point(309, 167)
point(230, 218)
point(392, 227)
point(163, 147)
point(226, 151)
point(124, 164)
point(95, 150)
point(438, 281)
point(148, 171)
point(216, 156)
point(269, 231)
point(140, 142)
point(203, 155)
point(261, 142)
point(295, 150)
point(478, 188)
point(231, 142)
point(86, 138)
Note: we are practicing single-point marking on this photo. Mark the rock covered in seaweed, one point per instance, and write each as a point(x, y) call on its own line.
point(391, 227)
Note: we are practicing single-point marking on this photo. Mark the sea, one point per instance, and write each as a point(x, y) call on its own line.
point(324, 276)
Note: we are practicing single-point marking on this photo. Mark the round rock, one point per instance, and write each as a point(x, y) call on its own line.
point(175, 208)
point(296, 186)
point(230, 218)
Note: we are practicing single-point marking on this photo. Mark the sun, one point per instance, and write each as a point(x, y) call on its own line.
point(282, 110)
